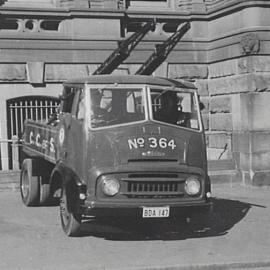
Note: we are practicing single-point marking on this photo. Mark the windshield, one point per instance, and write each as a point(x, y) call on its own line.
point(122, 106)
point(116, 106)
point(175, 107)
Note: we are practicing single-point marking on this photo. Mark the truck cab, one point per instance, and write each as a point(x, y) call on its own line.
point(124, 145)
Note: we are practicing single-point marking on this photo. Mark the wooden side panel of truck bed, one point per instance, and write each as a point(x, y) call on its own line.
point(39, 140)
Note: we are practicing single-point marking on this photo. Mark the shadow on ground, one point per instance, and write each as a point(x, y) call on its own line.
point(226, 214)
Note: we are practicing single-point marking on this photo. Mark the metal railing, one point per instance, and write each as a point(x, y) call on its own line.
point(38, 108)
point(29, 109)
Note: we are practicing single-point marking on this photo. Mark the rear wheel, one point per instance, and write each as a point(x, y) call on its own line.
point(29, 184)
point(70, 222)
point(44, 193)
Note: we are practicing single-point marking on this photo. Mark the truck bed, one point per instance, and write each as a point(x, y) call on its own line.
point(39, 140)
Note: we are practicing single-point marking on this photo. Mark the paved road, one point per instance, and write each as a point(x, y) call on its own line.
point(237, 237)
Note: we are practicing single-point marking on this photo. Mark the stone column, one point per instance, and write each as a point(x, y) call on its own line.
point(198, 6)
point(3, 135)
point(73, 3)
point(251, 122)
point(110, 4)
point(82, 3)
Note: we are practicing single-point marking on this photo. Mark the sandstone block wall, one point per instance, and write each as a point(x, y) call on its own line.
point(239, 115)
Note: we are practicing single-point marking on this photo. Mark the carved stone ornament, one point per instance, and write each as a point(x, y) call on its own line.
point(250, 44)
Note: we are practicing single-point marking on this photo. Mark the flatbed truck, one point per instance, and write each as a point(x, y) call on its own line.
point(120, 146)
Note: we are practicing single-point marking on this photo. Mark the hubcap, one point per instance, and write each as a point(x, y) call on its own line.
point(63, 209)
point(25, 184)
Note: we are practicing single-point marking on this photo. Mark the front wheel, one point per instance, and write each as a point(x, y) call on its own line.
point(29, 184)
point(70, 222)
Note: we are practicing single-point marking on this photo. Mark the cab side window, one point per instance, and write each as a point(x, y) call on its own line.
point(119, 106)
point(81, 105)
point(175, 108)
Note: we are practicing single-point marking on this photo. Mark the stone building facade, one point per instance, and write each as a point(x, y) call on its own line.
point(226, 52)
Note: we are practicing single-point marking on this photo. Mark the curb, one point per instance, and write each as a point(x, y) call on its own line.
point(9, 180)
point(215, 266)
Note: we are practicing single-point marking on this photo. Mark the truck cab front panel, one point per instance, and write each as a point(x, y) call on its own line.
point(136, 145)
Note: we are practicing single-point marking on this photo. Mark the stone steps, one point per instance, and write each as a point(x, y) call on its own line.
point(9, 180)
point(224, 177)
point(223, 172)
point(219, 165)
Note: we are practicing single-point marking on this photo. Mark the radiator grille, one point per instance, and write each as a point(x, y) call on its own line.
point(153, 185)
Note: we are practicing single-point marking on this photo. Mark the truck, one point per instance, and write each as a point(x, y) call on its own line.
point(120, 145)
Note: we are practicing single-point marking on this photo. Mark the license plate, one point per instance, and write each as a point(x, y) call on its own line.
point(156, 212)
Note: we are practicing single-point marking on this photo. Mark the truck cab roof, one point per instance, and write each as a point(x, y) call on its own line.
point(130, 79)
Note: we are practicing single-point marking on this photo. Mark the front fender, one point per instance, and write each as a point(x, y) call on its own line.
point(64, 177)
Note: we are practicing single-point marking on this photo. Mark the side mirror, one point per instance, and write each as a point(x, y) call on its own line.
point(202, 106)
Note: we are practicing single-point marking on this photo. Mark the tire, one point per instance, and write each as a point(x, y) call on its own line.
point(29, 184)
point(70, 222)
point(44, 193)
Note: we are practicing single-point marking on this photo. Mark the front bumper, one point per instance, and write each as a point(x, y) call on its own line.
point(148, 186)
point(100, 209)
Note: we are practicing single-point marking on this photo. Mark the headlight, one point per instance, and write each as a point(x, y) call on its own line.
point(110, 186)
point(192, 186)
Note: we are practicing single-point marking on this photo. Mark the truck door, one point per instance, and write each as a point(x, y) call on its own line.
point(74, 134)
